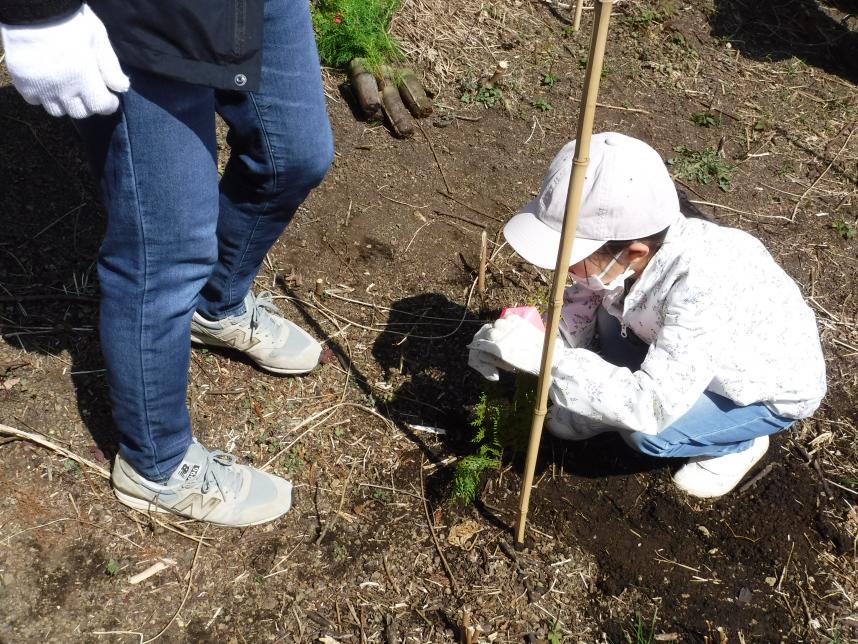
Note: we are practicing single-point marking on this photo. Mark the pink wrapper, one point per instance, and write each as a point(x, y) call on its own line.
point(529, 313)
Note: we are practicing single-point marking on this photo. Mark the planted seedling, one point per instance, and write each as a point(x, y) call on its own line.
point(500, 423)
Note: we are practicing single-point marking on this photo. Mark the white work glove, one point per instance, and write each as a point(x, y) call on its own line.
point(510, 343)
point(68, 66)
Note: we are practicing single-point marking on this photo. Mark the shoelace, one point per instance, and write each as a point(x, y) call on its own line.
point(263, 316)
point(219, 473)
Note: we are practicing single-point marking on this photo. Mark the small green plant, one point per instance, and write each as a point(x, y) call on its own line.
point(347, 29)
point(112, 568)
point(764, 123)
point(582, 63)
point(293, 462)
point(550, 80)
point(642, 633)
point(72, 468)
point(500, 423)
point(706, 119)
point(542, 105)
point(702, 167)
point(488, 95)
point(642, 18)
point(554, 636)
point(844, 229)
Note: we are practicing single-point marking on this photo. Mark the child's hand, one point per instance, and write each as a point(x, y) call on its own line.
point(511, 342)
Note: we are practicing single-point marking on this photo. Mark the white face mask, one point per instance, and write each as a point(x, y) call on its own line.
point(595, 283)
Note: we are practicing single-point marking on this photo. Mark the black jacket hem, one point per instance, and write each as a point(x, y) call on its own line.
point(28, 12)
point(244, 76)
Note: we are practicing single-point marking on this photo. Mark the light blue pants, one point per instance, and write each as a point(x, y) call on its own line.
point(180, 239)
point(714, 426)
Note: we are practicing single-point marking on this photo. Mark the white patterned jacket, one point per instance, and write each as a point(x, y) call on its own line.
point(718, 314)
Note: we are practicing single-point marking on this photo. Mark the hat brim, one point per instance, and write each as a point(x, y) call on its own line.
point(539, 244)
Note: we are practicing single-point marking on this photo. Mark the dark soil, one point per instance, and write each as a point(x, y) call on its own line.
point(373, 550)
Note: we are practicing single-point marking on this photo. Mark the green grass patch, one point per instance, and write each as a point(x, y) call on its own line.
point(542, 105)
point(706, 119)
point(844, 229)
point(500, 423)
point(347, 29)
point(643, 17)
point(702, 167)
point(488, 95)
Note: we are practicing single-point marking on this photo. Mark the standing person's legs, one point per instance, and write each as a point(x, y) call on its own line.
point(155, 161)
point(282, 146)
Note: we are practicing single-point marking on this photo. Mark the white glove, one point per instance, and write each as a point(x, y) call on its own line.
point(486, 364)
point(509, 342)
point(68, 66)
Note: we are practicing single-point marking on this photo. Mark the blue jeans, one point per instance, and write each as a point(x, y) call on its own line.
point(714, 426)
point(179, 239)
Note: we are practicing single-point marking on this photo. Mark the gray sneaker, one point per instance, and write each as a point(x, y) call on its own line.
point(263, 335)
point(207, 486)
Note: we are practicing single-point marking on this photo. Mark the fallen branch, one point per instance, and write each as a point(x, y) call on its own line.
point(38, 440)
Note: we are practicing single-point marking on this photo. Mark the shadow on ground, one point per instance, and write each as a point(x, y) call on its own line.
point(806, 29)
point(52, 227)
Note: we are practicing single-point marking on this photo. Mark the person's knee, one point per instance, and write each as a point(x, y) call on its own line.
point(309, 168)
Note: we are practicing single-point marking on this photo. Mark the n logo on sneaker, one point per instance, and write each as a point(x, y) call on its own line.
point(238, 339)
point(197, 505)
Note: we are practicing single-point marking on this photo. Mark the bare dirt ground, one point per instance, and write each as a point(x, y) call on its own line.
point(373, 550)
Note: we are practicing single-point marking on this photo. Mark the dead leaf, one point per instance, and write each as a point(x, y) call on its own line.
point(9, 383)
point(462, 533)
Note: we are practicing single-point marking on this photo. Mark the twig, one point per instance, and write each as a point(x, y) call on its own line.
point(786, 565)
point(459, 217)
point(437, 162)
point(756, 479)
point(453, 584)
point(187, 590)
point(824, 172)
point(738, 212)
point(58, 220)
point(333, 521)
point(11, 431)
point(331, 409)
point(58, 297)
point(470, 207)
point(637, 110)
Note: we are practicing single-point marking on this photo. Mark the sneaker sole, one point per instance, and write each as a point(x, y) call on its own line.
point(277, 370)
point(753, 464)
point(147, 507)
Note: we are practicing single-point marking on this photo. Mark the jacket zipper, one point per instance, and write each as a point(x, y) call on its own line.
point(240, 27)
point(623, 331)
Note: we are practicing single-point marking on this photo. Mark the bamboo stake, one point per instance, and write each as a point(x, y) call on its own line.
point(579, 8)
point(481, 275)
point(567, 236)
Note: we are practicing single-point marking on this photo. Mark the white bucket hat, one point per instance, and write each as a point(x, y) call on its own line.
point(628, 194)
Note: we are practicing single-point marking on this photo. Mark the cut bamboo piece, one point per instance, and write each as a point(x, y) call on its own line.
point(567, 237)
point(365, 88)
point(413, 94)
point(576, 22)
point(398, 117)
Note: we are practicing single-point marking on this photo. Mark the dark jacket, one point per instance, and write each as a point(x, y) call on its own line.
point(217, 43)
